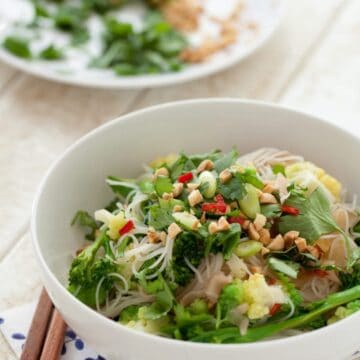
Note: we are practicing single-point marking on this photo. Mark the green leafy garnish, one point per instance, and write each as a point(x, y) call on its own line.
point(159, 218)
point(18, 46)
point(83, 218)
point(51, 53)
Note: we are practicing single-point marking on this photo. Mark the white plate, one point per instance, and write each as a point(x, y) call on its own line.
point(266, 14)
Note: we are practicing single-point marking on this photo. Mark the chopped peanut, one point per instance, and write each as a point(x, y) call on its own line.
point(266, 198)
point(314, 251)
point(174, 230)
point(264, 251)
point(177, 189)
point(301, 244)
point(277, 243)
point(195, 225)
point(265, 237)
point(153, 236)
point(177, 208)
point(195, 198)
point(269, 188)
point(161, 172)
point(203, 218)
point(245, 225)
point(223, 225)
point(225, 176)
point(163, 237)
point(259, 222)
point(253, 234)
point(290, 237)
point(205, 165)
point(256, 269)
point(192, 186)
point(167, 196)
point(213, 227)
point(324, 244)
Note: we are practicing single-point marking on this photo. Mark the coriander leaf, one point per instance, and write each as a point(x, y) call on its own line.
point(83, 218)
point(18, 46)
point(271, 210)
point(289, 268)
point(226, 161)
point(249, 176)
point(159, 218)
point(51, 53)
point(314, 219)
point(163, 184)
point(181, 165)
point(121, 187)
point(278, 169)
point(234, 189)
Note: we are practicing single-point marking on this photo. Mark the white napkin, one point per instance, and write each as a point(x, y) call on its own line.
point(15, 324)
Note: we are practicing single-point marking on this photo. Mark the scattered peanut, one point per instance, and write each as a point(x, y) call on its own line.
point(167, 196)
point(264, 251)
point(177, 189)
point(161, 172)
point(192, 186)
point(267, 198)
point(245, 225)
point(205, 165)
point(269, 188)
point(301, 244)
point(290, 237)
point(153, 236)
point(313, 250)
point(277, 243)
point(163, 237)
point(213, 227)
point(265, 237)
point(174, 230)
point(177, 208)
point(259, 222)
point(253, 234)
point(324, 244)
point(225, 176)
point(223, 225)
point(195, 198)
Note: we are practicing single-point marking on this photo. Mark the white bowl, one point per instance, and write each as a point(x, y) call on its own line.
point(76, 181)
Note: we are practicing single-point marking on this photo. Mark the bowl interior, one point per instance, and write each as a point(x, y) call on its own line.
point(121, 148)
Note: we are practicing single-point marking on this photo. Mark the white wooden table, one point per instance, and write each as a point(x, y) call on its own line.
point(312, 62)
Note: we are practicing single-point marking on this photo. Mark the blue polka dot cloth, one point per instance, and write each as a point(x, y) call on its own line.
point(15, 323)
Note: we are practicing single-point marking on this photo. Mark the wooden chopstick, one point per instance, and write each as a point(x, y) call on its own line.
point(46, 333)
point(55, 337)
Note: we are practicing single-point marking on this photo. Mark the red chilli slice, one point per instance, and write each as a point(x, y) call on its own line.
point(219, 199)
point(290, 210)
point(319, 273)
point(236, 220)
point(274, 309)
point(184, 178)
point(127, 228)
point(214, 208)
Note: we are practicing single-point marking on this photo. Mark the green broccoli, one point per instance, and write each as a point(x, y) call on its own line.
point(231, 296)
point(350, 278)
point(86, 271)
point(344, 311)
point(188, 246)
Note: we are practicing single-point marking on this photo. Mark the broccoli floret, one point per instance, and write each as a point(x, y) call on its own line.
point(344, 311)
point(351, 278)
point(190, 246)
point(231, 296)
point(83, 218)
point(131, 313)
point(199, 306)
point(86, 271)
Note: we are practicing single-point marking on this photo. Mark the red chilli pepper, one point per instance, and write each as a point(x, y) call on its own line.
point(271, 281)
point(290, 210)
point(274, 309)
point(127, 228)
point(236, 220)
point(184, 178)
point(214, 208)
point(219, 199)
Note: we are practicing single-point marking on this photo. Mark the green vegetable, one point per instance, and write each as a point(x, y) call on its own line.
point(271, 210)
point(207, 178)
point(190, 246)
point(182, 165)
point(226, 161)
point(290, 288)
point(199, 306)
point(231, 296)
point(234, 189)
point(248, 248)
point(159, 218)
point(18, 46)
point(121, 187)
point(163, 184)
point(231, 334)
point(249, 204)
point(314, 219)
point(131, 313)
point(186, 220)
point(344, 311)
point(288, 268)
point(51, 53)
point(86, 271)
point(70, 18)
point(278, 169)
point(350, 277)
point(83, 218)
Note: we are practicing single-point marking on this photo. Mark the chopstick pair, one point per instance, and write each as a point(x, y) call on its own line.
point(46, 335)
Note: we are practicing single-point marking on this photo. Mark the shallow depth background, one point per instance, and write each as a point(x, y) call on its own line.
point(311, 63)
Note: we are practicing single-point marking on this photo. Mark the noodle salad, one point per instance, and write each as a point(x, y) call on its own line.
point(222, 248)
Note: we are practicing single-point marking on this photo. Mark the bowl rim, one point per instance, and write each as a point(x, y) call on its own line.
point(327, 330)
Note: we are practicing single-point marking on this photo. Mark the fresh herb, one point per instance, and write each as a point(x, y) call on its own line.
point(234, 189)
point(289, 268)
point(314, 219)
point(18, 46)
point(159, 218)
point(278, 169)
point(51, 53)
point(163, 184)
point(83, 218)
point(226, 161)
